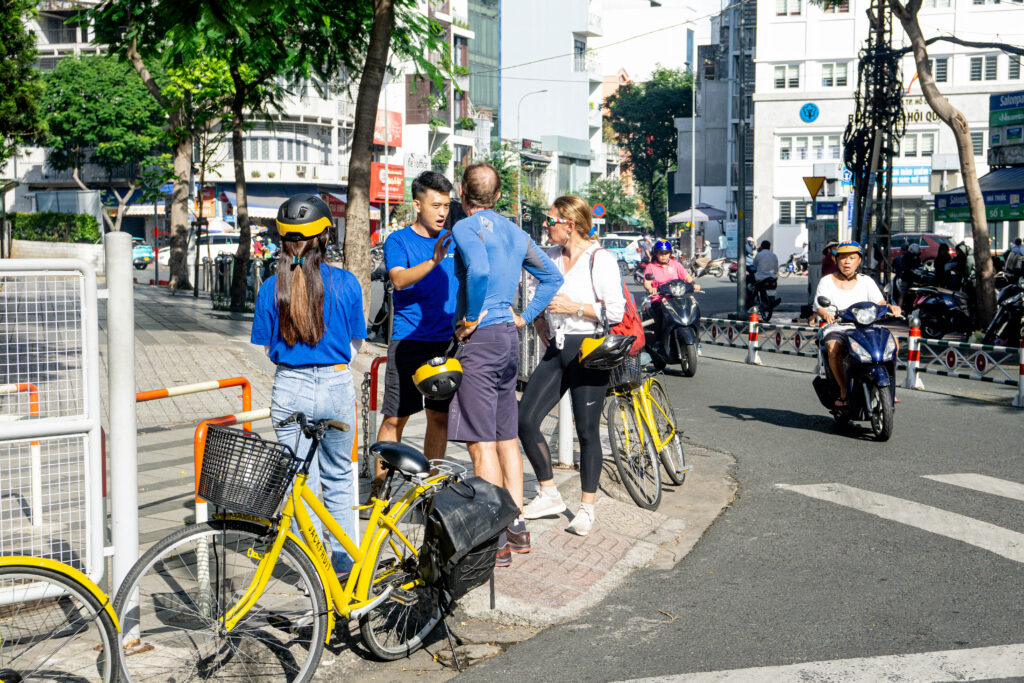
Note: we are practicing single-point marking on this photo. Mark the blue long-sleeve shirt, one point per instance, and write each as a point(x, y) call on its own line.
point(490, 252)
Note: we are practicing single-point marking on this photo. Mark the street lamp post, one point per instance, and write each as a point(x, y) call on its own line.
point(693, 157)
point(519, 171)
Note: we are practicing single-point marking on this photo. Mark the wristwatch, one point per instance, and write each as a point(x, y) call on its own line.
point(579, 313)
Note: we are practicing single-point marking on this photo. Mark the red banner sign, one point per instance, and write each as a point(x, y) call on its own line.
point(394, 177)
point(336, 206)
point(394, 129)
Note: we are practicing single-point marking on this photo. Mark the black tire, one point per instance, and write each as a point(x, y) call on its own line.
point(623, 268)
point(140, 266)
point(671, 454)
point(634, 455)
point(881, 412)
point(399, 625)
point(932, 327)
point(732, 277)
point(717, 271)
point(638, 276)
point(764, 307)
point(187, 580)
point(687, 356)
point(783, 271)
point(53, 629)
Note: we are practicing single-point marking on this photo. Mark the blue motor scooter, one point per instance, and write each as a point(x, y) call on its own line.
point(680, 325)
point(870, 368)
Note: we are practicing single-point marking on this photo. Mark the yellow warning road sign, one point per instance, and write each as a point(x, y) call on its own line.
point(814, 184)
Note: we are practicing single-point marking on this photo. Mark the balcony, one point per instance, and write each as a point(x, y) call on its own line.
point(594, 118)
point(593, 26)
point(594, 70)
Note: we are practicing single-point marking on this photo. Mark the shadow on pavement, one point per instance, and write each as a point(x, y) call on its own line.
point(782, 418)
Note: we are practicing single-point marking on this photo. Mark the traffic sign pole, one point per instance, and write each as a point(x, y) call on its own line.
point(814, 184)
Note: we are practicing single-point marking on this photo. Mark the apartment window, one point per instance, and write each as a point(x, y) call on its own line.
point(818, 147)
point(834, 151)
point(936, 4)
point(785, 212)
point(939, 66)
point(909, 145)
point(927, 144)
point(56, 31)
point(839, 8)
point(975, 68)
point(800, 148)
point(579, 55)
point(801, 210)
point(991, 67)
point(787, 76)
point(787, 7)
point(1014, 67)
point(785, 148)
point(833, 74)
point(978, 143)
point(460, 51)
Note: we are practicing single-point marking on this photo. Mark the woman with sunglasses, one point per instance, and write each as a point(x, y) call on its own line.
point(664, 268)
point(592, 288)
point(309, 317)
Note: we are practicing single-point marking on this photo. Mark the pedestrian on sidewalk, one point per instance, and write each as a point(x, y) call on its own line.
point(309, 317)
point(591, 293)
point(490, 253)
point(420, 262)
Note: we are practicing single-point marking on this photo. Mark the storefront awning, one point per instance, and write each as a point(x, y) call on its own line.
point(1002, 191)
point(263, 200)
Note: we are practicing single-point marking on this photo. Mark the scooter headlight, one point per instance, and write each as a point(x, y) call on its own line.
point(890, 349)
point(860, 352)
point(677, 288)
point(865, 316)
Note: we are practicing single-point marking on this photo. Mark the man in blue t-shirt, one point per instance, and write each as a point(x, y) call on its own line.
point(419, 260)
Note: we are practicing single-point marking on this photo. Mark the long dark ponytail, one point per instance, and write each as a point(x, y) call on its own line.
point(300, 290)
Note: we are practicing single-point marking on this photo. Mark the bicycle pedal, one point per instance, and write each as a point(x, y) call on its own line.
point(404, 597)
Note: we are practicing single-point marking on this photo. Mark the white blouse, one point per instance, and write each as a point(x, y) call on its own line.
point(577, 286)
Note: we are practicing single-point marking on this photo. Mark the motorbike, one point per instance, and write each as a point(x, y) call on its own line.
point(794, 266)
point(1004, 330)
point(870, 368)
point(942, 311)
point(732, 266)
point(680, 325)
point(759, 296)
point(714, 268)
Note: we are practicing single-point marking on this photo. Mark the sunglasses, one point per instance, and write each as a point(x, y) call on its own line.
point(552, 221)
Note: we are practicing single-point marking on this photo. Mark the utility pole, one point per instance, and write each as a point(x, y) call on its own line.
point(741, 174)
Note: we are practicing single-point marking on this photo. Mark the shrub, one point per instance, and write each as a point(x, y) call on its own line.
point(51, 226)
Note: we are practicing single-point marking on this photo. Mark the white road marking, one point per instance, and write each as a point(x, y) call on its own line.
point(983, 483)
point(1009, 544)
point(981, 663)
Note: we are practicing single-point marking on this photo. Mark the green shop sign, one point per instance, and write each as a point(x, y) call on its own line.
point(1006, 109)
point(1000, 205)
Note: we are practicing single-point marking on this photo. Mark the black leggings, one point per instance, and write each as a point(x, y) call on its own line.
point(558, 371)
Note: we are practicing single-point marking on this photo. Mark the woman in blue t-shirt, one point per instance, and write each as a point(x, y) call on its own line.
point(309, 317)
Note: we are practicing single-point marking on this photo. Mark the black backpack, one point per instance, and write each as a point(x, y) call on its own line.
point(461, 539)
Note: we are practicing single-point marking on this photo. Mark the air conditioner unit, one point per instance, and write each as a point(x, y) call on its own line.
point(300, 171)
point(314, 172)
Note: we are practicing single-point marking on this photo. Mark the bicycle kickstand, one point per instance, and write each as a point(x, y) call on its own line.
point(451, 644)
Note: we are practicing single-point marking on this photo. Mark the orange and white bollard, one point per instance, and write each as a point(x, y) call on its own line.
point(753, 357)
point(913, 379)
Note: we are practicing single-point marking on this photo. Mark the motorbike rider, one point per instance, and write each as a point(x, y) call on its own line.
point(704, 258)
point(765, 267)
point(844, 288)
point(801, 258)
point(909, 262)
point(663, 268)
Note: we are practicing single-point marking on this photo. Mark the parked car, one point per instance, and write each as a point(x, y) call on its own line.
point(929, 242)
point(142, 253)
point(624, 247)
point(220, 243)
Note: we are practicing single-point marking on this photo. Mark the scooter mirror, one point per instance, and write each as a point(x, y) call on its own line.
point(649, 276)
point(824, 301)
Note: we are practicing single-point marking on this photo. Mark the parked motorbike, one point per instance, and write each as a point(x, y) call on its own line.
point(714, 268)
point(680, 325)
point(870, 368)
point(1004, 330)
point(942, 311)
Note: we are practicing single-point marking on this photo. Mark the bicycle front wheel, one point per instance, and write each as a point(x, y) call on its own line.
point(53, 629)
point(634, 454)
point(668, 432)
point(184, 585)
point(398, 626)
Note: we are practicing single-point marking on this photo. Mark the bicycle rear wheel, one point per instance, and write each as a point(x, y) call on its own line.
point(399, 625)
point(188, 580)
point(665, 422)
point(53, 629)
point(634, 454)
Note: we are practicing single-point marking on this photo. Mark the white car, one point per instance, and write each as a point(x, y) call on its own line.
point(220, 243)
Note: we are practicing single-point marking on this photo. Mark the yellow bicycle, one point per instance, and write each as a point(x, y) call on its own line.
point(642, 427)
point(243, 596)
point(55, 624)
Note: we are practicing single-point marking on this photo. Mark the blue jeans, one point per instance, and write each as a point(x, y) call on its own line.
point(322, 393)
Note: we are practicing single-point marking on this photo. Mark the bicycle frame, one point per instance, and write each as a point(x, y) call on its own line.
point(341, 600)
point(643, 410)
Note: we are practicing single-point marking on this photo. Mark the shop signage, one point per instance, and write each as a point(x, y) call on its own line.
point(1006, 109)
point(394, 128)
point(393, 177)
point(809, 112)
point(1001, 205)
point(911, 175)
point(336, 206)
point(826, 209)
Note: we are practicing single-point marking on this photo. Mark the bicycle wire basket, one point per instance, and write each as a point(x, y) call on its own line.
point(244, 473)
point(626, 374)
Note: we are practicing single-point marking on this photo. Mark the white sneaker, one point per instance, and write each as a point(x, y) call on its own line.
point(581, 523)
point(544, 506)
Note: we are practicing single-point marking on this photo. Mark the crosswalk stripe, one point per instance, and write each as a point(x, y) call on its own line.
point(983, 483)
point(980, 663)
point(996, 539)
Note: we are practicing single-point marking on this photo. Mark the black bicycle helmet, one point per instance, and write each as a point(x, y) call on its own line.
point(605, 353)
point(303, 216)
point(439, 378)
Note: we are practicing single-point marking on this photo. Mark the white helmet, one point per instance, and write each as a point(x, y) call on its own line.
point(914, 249)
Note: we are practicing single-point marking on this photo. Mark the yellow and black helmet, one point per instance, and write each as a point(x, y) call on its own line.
point(605, 353)
point(302, 217)
point(438, 378)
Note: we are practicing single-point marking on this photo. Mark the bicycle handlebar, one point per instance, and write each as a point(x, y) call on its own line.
point(318, 427)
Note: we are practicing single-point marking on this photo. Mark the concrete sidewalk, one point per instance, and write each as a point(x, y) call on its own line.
point(181, 340)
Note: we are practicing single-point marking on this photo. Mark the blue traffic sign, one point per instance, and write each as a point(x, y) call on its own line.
point(809, 112)
point(598, 210)
point(827, 208)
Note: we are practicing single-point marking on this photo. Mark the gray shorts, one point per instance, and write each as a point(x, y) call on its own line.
point(485, 408)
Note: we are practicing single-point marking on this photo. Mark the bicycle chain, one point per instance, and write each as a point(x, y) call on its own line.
point(364, 461)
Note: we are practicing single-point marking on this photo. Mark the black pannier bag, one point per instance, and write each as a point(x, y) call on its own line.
point(461, 539)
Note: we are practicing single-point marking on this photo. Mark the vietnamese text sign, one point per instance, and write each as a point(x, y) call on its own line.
point(1006, 108)
point(394, 129)
point(394, 178)
point(1000, 205)
point(826, 208)
point(911, 175)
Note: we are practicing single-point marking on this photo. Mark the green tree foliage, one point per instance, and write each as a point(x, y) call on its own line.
point(97, 112)
point(20, 86)
point(642, 116)
point(51, 226)
point(610, 192)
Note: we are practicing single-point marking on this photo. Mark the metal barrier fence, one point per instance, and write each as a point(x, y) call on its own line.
point(50, 503)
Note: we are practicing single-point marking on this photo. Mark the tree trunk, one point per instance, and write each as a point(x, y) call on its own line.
point(179, 210)
point(957, 122)
point(357, 214)
point(239, 278)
